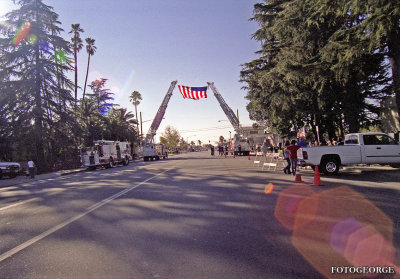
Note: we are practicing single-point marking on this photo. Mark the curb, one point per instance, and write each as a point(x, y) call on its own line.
point(46, 176)
point(72, 172)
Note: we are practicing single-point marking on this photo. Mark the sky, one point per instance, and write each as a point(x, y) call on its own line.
point(144, 45)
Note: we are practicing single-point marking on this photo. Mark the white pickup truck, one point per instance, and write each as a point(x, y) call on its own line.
point(359, 148)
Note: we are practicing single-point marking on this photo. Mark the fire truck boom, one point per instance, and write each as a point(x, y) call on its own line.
point(159, 116)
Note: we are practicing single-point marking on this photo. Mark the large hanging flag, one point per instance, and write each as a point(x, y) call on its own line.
point(193, 92)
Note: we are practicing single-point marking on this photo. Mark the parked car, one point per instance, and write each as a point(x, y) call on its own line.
point(10, 169)
point(358, 148)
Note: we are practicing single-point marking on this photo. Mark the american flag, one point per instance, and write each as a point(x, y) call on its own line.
point(193, 92)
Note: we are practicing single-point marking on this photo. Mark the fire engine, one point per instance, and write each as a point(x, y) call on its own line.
point(107, 154)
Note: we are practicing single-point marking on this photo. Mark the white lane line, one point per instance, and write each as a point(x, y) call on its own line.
point(71, 220)
point(29, 200)
point(18, 203)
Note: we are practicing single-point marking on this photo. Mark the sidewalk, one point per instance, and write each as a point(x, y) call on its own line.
point(6, 181)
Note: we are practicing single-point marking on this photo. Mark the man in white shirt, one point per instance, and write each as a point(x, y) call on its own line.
point(31, 167)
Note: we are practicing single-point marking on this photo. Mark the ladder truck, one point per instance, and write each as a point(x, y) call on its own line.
point(152, 151)
point(240, 144)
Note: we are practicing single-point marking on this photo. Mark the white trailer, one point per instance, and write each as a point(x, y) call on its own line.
point(107, 154)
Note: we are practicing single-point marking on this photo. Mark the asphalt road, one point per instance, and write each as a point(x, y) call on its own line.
point(197, 216)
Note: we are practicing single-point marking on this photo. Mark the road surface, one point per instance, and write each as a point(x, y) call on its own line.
point(191, 216)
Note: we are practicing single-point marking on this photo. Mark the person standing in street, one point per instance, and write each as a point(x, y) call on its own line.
point(265, 147)
point(31, 168)
point(286, 154)
point(293, 155)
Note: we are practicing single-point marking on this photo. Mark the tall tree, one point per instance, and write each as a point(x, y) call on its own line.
point(135, 99)
point(77, 46)
point(90, 49)
point(369, 27)
point(293, 83)
point(34, 58)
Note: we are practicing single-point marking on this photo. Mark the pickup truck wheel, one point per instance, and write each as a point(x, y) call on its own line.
point(330, 166)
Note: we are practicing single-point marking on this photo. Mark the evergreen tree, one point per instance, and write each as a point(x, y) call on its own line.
point(293, 84)
point(368, 28)
point(34, 61)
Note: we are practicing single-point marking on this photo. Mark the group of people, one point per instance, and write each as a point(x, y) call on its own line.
point(221, 150)
point(323, 142)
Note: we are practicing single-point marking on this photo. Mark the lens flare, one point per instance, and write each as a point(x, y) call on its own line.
point(269, 188)
point(59, 56)
point(44, 47)
point(104, 111)
point(288, 205)
point(22, 33)
point(32, 39)
point(339, 227)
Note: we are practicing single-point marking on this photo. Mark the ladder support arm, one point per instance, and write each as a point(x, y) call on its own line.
point(160, 115)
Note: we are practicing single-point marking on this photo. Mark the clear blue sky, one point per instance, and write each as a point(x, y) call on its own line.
point(143, 45)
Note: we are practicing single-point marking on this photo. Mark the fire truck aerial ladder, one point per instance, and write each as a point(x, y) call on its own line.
point(241, 146)
point(151, 151)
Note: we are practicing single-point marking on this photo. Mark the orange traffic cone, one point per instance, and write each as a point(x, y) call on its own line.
point(297, 177)
point(233, 154)
point(248, 157)
point(225, 155)
point(317, 179)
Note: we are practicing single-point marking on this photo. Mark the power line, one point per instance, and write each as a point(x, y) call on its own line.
point(205, 129)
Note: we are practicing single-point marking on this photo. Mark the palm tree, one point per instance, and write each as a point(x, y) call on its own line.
point(135, 99)
point(90, 49)
point(77, 45)
point(124, 116)
point(122, 124)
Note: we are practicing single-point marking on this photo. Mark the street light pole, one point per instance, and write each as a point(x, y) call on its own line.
point(141, 126)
